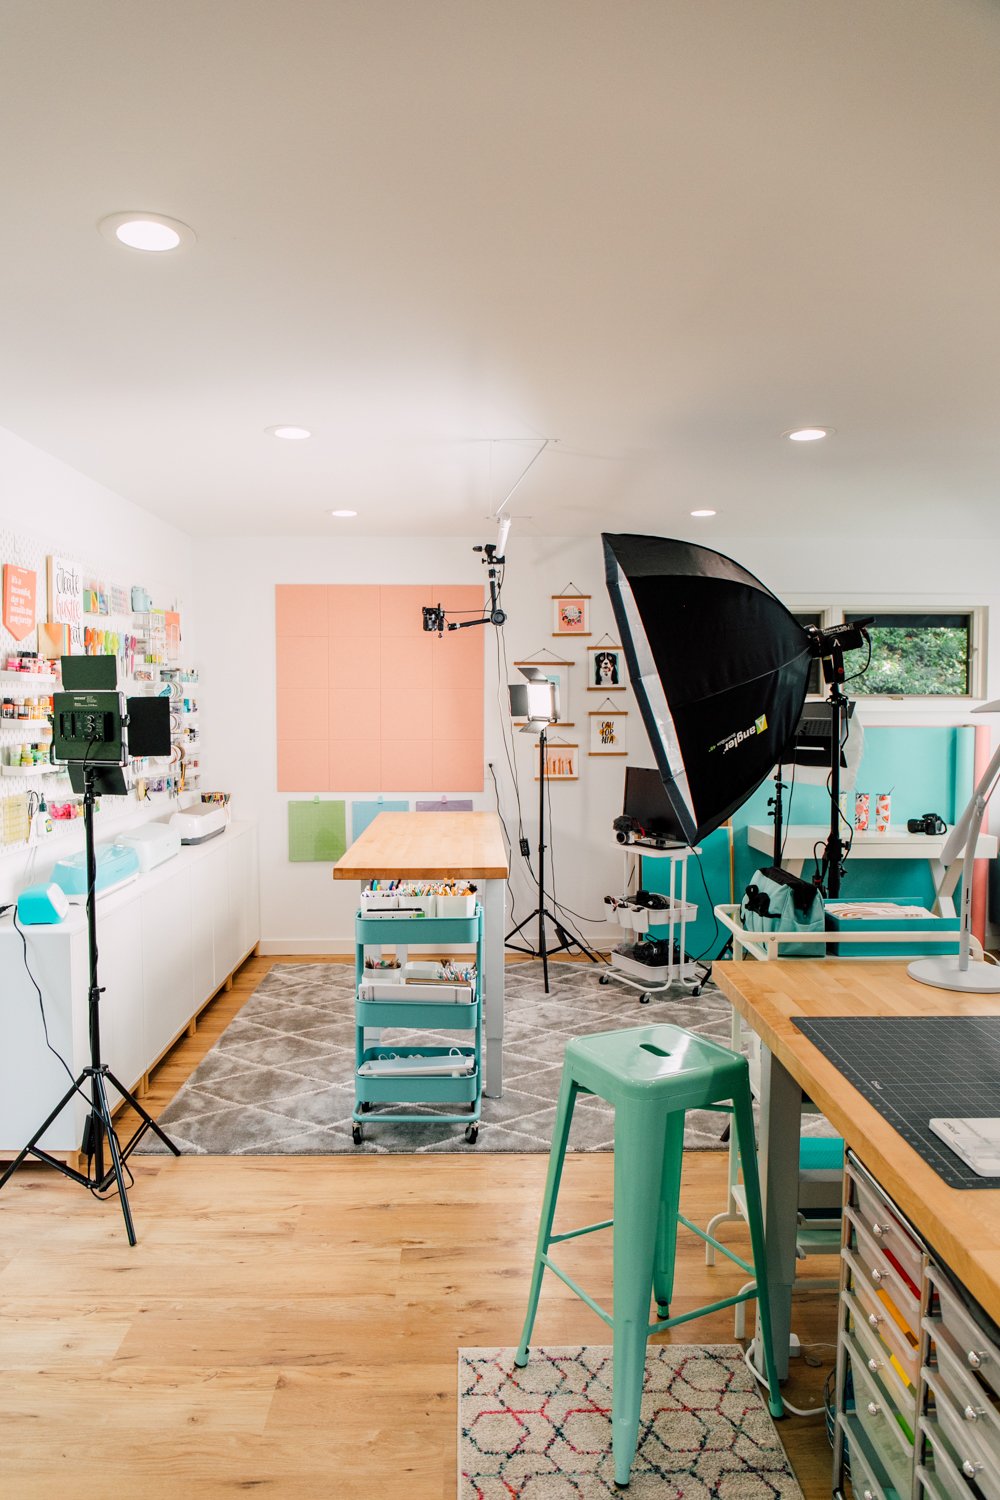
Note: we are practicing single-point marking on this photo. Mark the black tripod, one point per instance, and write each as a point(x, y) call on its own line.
point(565, 940)
point(98, 1127)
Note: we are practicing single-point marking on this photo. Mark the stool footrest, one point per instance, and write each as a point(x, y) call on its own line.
point(573, 1234)
point(703, 1234)
point(574, 1286)
point(701, 1312)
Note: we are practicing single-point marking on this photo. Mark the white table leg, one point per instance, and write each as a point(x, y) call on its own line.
point(780, 1125)
point(494, 926)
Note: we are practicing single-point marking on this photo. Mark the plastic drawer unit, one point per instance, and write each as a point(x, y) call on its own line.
point(393, 1078)
point(918, 1364)
point(878, 1344)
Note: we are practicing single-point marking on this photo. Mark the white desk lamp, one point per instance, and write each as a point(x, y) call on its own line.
point(962, 972)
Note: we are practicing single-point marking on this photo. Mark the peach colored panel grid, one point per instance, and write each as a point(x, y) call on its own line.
point(367, 700)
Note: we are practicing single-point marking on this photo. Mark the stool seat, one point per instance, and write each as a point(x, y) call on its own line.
point(652, 1075)
point(678, 1067)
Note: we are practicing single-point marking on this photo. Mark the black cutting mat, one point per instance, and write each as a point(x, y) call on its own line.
point(915, 1069)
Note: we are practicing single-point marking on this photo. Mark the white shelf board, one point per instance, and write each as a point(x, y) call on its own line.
point(30, 679)
point(31, 770)
point(26, 726)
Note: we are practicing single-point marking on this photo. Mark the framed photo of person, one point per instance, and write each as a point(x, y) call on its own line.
point(608, 732)
point(606, 669)
point(570, 614)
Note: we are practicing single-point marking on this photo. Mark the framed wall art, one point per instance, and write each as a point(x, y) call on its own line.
point(570, 613)
point(562, 761)
point(608, 731)
point(606, 669)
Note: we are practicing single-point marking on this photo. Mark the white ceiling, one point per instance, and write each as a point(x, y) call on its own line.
point(658, 232)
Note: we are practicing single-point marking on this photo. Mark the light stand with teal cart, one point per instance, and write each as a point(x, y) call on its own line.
point(461, 1089)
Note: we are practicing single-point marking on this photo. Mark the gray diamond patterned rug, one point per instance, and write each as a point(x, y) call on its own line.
point(280, 1079)
point(544, 1432)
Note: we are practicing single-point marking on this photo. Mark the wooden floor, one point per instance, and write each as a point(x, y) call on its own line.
point(289, 1325)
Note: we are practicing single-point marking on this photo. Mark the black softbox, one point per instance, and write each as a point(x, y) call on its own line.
point(719, 667)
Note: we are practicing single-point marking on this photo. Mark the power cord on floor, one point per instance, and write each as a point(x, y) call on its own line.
point(797, 1411)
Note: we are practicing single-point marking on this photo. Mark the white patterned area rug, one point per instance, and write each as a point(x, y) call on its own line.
point(280, 1079)
point(544, 1432)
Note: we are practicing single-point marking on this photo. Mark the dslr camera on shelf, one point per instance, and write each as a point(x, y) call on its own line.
point(631, 831)
point(930, 823)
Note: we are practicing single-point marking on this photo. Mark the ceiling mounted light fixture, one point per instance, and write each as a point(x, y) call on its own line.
point(290, 434)
point(702, 513)
point(343, 515)
point(807, 434)
point(139, 230)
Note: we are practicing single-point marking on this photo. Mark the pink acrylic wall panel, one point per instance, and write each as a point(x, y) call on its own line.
point(370, 702)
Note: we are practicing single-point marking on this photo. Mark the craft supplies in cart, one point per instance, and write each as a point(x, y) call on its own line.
point(446, 1079)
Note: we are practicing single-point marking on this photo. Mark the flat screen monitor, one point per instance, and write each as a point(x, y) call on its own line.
point(647, 802)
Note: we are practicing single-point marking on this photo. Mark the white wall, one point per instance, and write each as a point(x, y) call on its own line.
point(56, 509)
point(303, 910)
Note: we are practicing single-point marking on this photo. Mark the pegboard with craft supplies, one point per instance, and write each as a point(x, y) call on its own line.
point(56, 605)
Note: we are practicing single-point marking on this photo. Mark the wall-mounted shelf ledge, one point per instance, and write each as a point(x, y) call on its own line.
point(30, 679)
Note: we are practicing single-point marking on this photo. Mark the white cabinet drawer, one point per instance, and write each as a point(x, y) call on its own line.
point(962, 1442)
point(879, 1364)
point(885, 1225)
point(870, 1264)
point(879, 1417)
point(967, 1340)
point(901, 1343)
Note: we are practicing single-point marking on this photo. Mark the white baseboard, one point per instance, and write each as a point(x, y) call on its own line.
point(275, 947)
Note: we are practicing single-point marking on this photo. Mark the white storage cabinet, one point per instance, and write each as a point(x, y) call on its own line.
point(167, 942)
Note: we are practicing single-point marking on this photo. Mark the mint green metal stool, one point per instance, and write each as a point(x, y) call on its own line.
point(652, 1075)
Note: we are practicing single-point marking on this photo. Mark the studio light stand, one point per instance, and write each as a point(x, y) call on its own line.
point(99, 711)
point(829, 645)
point(539, 701)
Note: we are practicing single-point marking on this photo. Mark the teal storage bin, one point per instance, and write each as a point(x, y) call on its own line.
point(463, 1089)
point(911, 949)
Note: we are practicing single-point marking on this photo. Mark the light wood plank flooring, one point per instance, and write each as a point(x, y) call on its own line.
point(289, 1325)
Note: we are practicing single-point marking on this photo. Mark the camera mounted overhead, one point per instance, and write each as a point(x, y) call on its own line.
point(436, 616)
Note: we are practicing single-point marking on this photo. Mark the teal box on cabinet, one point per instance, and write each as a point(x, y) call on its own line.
point(914, 925)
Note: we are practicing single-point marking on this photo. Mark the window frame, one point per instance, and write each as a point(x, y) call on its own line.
point(978, 615)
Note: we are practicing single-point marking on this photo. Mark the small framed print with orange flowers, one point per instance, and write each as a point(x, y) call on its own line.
point(570, 614)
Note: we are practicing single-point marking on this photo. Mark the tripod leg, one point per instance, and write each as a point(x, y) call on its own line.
point(29, 1148)
point(144, 1116)
point(106, 1125)
point(519, 928)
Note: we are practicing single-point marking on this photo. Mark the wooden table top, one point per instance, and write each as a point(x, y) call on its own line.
point(963, 1226)
point(399, 845)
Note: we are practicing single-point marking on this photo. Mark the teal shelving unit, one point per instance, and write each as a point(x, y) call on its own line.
point(463, 1091)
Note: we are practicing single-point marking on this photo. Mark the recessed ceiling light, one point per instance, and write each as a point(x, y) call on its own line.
point(145, 231)
point(701, 513)
point(343, 514)
point(292, 434)
point(807, 434)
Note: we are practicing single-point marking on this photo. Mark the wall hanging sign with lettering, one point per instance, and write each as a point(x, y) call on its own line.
point(19, 611)
point(65, 582)
point(608, 730)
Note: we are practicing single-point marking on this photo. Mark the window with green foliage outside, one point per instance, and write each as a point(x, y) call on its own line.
point(916, 656)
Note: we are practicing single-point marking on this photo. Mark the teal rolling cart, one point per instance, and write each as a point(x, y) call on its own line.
point(463, 1090)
